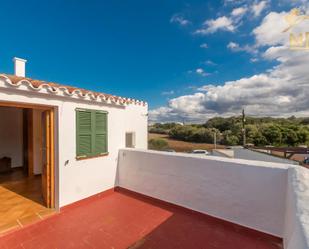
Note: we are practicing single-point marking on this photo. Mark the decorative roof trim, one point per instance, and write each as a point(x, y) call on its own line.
point(62, 90)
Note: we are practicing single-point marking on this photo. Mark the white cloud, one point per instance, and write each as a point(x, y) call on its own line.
point(210, 62)
point(201, 72)
point(258, 7)
point(282, 90)
point(213, 25)
point(223, 23)
point(239, 11)
point(234, 2)
point(168, 92)
point(204, 45)
point(179, 19)
point(267, 35)
point(235, 47)
point(253, 60)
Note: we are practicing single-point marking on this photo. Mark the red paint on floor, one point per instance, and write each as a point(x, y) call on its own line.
point(127, 220)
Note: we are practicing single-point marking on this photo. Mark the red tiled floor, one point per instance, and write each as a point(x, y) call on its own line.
point(127, 220)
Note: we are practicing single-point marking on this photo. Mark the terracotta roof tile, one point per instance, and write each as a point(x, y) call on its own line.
point(55, 87)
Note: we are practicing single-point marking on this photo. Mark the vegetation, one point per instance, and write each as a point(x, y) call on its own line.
point(162, 128)
point(158, 144)
point(259, 131)
point(183, 146)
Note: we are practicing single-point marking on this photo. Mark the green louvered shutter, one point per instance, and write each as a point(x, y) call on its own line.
point(84, 133)
point(100, 133)
point(91, 133)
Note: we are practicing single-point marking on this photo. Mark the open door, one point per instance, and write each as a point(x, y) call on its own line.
point(47, 158)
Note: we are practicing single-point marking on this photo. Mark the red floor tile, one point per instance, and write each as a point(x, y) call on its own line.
point(128, 220)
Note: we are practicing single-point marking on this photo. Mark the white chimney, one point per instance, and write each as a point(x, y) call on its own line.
point(19, 67)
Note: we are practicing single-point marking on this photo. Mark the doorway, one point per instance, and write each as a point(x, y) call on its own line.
point(26, 164)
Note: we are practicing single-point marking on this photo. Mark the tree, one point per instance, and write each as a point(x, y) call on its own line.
point(262, 131)
point(289, 136)
point(272, 133)
point(229, 138)
point(303, 135)
point(222, 124)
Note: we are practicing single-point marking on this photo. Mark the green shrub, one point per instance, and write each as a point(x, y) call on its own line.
point(158, 144)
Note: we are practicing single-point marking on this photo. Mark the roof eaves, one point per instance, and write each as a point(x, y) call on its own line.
point(58, 89)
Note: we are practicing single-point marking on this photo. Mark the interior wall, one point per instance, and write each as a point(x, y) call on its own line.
point(11, 134)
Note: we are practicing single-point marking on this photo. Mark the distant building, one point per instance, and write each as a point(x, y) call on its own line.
point(249, 154)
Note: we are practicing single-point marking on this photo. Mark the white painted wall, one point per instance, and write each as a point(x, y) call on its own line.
point(264, 196)
point(11, 135)
point(248, 193)
point(76, 180)
point(296, 233)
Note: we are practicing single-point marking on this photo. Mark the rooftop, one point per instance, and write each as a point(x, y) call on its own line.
point(55, 88)
point(124, 219)
point(176, 200)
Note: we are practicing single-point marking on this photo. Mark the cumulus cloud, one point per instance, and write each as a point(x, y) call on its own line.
point(239, 11)
point(258, 7)
point(200, 71)
point(213, 25)
point(282, 90)
point(235, 47)
point(267, 35)
point(179, 19)
point(227, 23)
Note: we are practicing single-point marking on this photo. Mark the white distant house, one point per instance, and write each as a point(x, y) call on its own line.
point(250, 154)
point(69, 136)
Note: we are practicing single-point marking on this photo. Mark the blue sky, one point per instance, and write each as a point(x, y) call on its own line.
point(149, 50)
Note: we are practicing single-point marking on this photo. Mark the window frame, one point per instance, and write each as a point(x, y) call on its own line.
point(133, 133)
point(93, 133)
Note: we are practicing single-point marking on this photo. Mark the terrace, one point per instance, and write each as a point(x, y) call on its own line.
point(167, 200)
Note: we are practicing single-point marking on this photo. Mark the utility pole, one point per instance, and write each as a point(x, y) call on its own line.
point(243, 127)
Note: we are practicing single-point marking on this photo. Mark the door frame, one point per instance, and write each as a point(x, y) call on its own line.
point(51, 148)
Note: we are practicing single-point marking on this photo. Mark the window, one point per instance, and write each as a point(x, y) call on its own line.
point(91, 133)
point(130, 140)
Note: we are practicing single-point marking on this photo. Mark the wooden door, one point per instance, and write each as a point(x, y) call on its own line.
point(47, 158)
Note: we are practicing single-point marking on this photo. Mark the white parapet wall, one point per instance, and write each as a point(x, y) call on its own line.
point(296, 234)
point(259, 195)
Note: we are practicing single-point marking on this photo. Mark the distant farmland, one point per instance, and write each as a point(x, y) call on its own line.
point(181, 146)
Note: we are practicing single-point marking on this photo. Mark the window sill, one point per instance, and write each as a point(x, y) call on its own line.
point(91, 157)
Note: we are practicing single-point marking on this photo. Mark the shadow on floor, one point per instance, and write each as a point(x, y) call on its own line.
point(190, 229)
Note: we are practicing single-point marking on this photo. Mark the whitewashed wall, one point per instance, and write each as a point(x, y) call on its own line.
point(76, 180)
point(296, 232)
point(248, 193)
point(11, 135)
